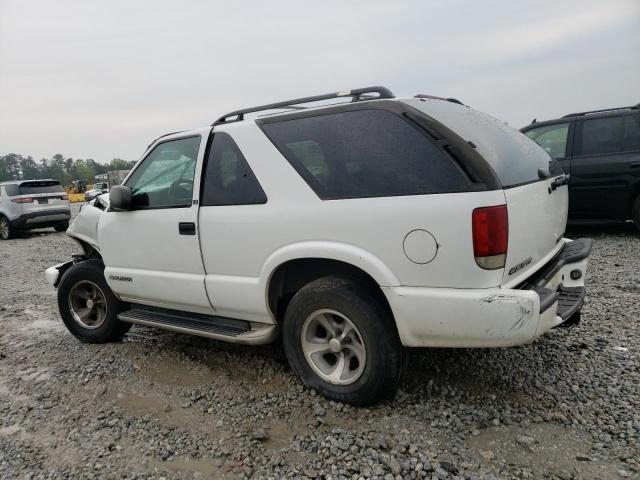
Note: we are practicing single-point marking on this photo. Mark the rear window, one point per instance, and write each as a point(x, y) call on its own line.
point(514, 157)
point(364, 153)
point(31, 188)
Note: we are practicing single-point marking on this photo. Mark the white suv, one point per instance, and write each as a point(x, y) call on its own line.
point(352, 230)
point(27, 204)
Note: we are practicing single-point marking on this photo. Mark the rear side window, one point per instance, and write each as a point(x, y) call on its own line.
point(364, 153)
point(601, 136)
point(11, 190)
point(31, 188)
point(553, 138)
point(228, 179)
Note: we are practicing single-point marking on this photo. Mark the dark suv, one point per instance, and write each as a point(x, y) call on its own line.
point(600, 150)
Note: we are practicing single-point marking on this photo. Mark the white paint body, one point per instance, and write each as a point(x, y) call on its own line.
point(442, 300)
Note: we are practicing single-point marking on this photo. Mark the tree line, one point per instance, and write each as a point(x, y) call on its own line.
point(14, 166)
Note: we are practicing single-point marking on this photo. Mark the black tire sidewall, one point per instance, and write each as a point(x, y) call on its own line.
point(61, 227)
point(384, 351)
point(635, 212)
point(112, 328)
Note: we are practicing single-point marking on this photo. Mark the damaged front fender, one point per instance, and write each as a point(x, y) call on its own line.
point(84, 228)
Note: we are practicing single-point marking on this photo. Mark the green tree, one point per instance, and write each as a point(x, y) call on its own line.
point(10, 167)
point(29, 168)
point(118, 164)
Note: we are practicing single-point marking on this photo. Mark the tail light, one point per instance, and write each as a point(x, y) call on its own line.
point(64, 197)
point(490, 236)
point(22, 200)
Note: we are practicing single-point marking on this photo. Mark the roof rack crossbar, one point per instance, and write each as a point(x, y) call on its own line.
point(579, 114)
point(355, 94)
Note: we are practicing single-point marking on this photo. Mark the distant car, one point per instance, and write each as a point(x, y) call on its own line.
point(600, 150)
point(98, 189)
point(27, 204)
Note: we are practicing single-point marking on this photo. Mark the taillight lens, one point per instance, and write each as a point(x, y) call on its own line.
point(64, 197)
point(22, 200)
point(490, 236)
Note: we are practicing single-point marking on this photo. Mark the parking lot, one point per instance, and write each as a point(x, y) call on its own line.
point(160, 404)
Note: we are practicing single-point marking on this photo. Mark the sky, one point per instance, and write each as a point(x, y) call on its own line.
point(100, 80)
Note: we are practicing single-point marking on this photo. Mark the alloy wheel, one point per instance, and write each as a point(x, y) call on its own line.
point(88, 304)
point(333, 347)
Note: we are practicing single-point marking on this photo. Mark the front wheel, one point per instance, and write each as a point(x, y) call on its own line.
point(341, 340)
point(88, 307)
point(6, 230)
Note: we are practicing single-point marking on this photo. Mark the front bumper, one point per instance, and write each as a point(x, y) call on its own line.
point(494, 317)
point(42, 219)
point(54, 274)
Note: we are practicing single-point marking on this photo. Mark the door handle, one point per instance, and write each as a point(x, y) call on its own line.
point(558, 182)
point(635, 165)
point(187, 228)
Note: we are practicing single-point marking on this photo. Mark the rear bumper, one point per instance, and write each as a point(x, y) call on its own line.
point(45, 218)
point(494, 317)
point(560, 281)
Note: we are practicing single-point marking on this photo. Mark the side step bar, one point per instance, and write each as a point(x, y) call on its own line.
point(210, 326)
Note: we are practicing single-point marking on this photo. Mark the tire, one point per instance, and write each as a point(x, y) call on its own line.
point(62, 227)
point(338, 300)
point(635, 212)
point(76, 286)
point(6, 230)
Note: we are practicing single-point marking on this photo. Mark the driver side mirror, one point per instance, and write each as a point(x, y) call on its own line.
point(120, 198)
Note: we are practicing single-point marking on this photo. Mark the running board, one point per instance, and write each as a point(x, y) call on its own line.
point(210, 326)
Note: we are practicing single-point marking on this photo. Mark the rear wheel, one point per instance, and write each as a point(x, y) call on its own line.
point(635, 212)
point(340, 339)
point(61, 227)
point(6, 230)
point(88, 307)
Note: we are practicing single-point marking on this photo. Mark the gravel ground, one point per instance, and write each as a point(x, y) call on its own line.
point(167, 405)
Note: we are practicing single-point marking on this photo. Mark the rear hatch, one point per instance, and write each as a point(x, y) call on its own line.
point(536, 206)
point(41, 195)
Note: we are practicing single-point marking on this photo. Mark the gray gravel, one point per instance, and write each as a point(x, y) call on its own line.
point(166, 405)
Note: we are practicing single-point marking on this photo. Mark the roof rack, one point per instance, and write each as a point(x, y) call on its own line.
point(356, 95)
point(434, 97)
point(578, 114)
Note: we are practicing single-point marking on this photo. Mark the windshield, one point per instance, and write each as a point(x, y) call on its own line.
point(515, 158)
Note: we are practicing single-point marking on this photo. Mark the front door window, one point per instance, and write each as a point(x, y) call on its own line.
point(553, 138)
point(164, 179)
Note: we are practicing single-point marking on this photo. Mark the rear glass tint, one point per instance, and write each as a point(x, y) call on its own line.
point(514, 157)
point(31, 188)
point(364, 153)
